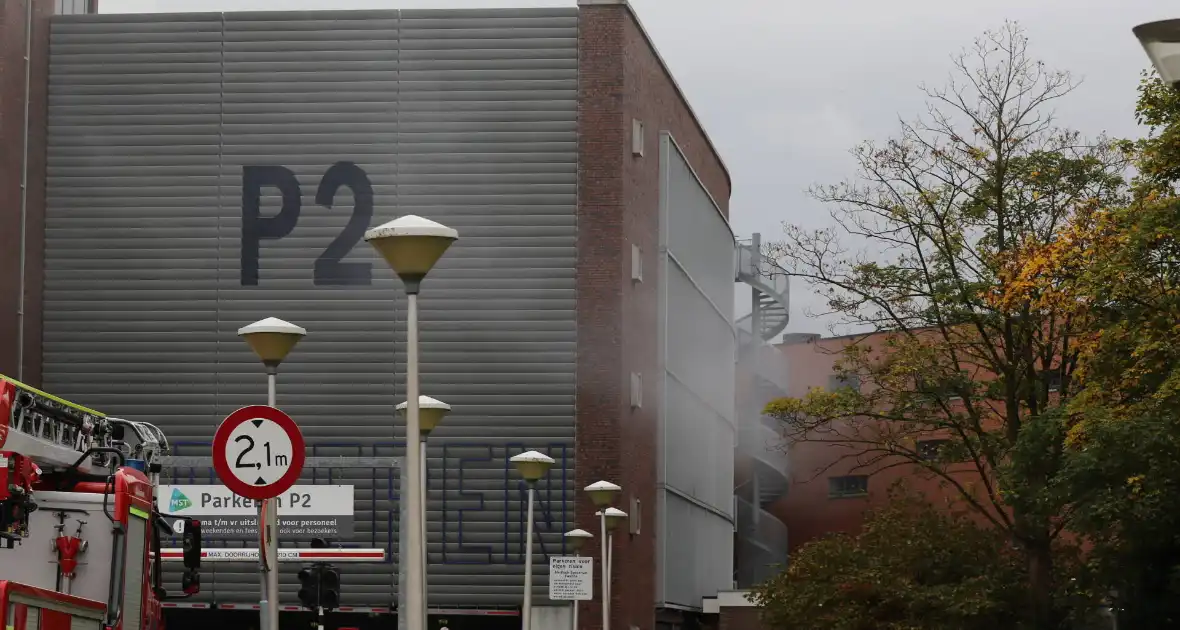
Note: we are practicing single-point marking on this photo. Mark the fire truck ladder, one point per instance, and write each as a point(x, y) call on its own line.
point(53, 432)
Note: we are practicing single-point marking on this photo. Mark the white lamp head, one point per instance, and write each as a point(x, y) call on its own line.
point(532, 465)
point(272, 339)
point(575, 538)
point(602, 493)
point(1161, 42)
point(411, 245)
point(614, 516)
point(430, 413)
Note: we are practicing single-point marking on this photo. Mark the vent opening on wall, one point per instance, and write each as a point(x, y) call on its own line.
point(636, 137)
point(635, 518)
point(636, 263)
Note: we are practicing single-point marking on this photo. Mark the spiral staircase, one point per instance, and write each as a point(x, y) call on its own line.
point(762, 467)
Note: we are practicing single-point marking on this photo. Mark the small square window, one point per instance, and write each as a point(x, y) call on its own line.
point(842, 381)
point(1053, 378)
point(848, 486)
point(930, 450)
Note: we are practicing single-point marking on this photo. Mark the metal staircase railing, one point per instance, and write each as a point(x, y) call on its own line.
point(761, 543)
point(771, 285)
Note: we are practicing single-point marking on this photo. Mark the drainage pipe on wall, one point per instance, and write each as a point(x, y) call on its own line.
point(24, 198)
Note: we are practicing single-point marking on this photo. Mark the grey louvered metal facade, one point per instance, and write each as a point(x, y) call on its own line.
point(160, 124)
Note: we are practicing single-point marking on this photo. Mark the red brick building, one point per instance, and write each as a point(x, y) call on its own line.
point(829, 491)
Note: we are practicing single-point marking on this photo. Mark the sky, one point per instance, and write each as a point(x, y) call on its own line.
point(785, 88)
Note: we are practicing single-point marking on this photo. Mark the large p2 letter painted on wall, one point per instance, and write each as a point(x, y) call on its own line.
point(328, 269)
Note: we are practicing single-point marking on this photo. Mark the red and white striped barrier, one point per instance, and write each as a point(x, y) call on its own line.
point(285, 555)
point(457, 612)
point(370, 610)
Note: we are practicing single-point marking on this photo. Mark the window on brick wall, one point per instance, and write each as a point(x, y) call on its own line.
point(931, 450)
point(637, 137)
point(841, 381)
point(848, 486)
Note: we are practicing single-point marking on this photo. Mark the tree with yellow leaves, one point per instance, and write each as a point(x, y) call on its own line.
point(1117, 269)
point(939, 232)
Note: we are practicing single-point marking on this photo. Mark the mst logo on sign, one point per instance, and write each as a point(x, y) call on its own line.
point(328, 270)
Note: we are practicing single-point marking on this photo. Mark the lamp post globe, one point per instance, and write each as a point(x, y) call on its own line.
point(614, 516)
point(602, 493)
point(411, 245)
point(272, 339)
point(431, 412)
point(532, 465)
point(1161, 42)
point(576, 538)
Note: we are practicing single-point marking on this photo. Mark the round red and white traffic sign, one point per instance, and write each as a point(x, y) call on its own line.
point(258, 452)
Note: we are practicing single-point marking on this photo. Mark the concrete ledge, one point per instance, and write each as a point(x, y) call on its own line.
point(726, 599)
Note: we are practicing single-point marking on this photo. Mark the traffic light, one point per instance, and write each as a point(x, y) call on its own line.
point(319, 587)
point(329, 587)
point(309, 591)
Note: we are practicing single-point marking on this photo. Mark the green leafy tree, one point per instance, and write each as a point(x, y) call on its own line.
point(913, 567)
point(1158, 155)
point(1117, 269)
point(943, 220)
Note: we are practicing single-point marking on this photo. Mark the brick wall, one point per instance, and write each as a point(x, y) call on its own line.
point(620, 79)
point(12, 117)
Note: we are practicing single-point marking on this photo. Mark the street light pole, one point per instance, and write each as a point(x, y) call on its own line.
point(412, 245)
point(576, 538)
point(271, 339)
point(611, 517)
point(602, 493)
point(531, 466)
point(430, 414)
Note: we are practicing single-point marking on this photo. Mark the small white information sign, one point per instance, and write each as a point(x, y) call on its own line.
point(571, 578)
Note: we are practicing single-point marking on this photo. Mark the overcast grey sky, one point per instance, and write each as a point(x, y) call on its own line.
point(785, 88)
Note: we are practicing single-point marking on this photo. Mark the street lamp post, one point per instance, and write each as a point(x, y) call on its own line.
point(1161, 42)
point(602, 494)
point(430, 414)
point(576, 538)
point(612, 517)
point(271, 339)
point(531, 466)
point(412, 245)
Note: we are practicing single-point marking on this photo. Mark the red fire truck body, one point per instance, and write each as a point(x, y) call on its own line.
point(79, 530)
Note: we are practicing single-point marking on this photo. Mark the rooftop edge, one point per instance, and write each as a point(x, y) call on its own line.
point(675, 85)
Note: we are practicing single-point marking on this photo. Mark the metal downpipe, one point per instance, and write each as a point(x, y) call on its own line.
point(24, 198)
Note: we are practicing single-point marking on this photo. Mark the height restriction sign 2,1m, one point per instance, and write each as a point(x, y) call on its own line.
point(258, 452)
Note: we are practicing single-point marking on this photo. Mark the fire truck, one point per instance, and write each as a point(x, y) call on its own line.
point(79, 527)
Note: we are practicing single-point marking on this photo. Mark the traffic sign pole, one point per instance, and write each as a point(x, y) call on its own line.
point(270, 531)
point(258, 453)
